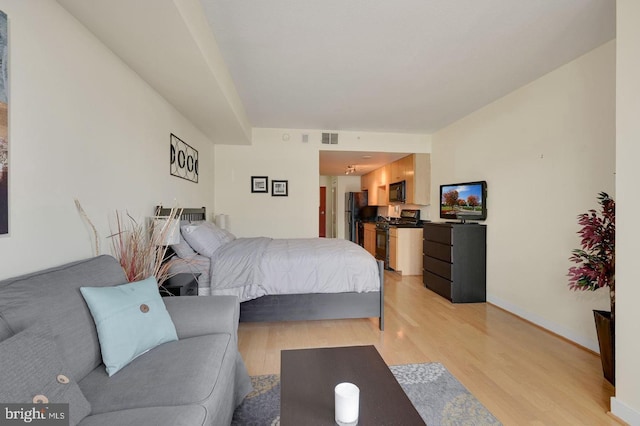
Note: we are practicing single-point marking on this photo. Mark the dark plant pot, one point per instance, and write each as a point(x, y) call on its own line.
point(606, 339)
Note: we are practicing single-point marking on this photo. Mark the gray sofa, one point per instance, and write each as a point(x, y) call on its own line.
point(197, 380)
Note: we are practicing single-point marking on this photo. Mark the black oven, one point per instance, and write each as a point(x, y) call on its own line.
point(382, 243)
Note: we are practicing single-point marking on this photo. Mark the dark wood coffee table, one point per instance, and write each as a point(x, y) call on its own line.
point(308, 377)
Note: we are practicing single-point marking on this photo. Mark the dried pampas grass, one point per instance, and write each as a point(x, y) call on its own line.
point(140, 250)
point(84, 216)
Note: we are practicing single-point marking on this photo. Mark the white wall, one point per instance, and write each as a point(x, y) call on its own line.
point(545, 150)
point(280, 154)
point(82, 125)
point(626, 403)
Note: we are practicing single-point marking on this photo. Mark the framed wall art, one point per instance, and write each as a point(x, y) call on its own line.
point(183, 160)
point(259, 184)
point(279, 188)
point(4, 131)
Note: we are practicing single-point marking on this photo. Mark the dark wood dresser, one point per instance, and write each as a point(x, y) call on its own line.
point(454, 261)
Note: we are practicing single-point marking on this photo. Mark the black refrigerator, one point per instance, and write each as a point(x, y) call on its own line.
point(353, 202)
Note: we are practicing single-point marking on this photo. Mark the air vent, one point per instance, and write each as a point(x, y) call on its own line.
point(330, 138)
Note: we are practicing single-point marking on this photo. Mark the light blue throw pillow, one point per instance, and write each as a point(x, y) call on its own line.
point(130, 318)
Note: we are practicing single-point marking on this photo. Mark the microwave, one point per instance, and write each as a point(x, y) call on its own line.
point(397, 192)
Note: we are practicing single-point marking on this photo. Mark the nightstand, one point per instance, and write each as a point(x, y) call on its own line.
point(185, 284)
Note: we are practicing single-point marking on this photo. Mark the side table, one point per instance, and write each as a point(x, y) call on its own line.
point(184, 284)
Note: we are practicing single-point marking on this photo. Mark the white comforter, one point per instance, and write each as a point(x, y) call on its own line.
point(253, 267)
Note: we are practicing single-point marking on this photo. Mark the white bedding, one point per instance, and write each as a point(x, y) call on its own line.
point(253, 267)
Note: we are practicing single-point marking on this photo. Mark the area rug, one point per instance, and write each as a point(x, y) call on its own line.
point(438, 396)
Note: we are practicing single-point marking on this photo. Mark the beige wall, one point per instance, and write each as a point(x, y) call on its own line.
point(283, 157)
point(626, 403)
point(82, 125)
point(545, 150)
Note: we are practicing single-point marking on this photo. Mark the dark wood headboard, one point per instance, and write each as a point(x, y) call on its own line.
point(198, 213)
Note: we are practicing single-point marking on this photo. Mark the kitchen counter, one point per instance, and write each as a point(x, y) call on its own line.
point(406, 225)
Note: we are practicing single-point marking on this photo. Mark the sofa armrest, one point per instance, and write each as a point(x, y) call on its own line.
point(200, 315)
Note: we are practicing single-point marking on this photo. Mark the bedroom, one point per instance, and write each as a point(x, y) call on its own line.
point(88, 127)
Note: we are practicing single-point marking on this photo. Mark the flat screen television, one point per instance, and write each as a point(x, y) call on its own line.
point(464, 201)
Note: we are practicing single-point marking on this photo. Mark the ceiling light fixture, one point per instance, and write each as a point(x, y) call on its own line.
point(350, 170)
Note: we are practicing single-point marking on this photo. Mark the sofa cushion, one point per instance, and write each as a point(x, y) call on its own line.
point(131, 319)
point(198, 370)
point(31, 371)
point(185, 415)
point(5, 331)
point(53, 296)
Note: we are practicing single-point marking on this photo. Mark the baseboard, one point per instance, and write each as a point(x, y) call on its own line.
point(624, 412)
point(544, 323)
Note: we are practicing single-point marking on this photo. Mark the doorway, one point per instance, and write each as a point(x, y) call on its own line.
point(322, 213)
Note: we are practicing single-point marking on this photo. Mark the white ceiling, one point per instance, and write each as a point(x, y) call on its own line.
point(410, 66)
point(407, 66)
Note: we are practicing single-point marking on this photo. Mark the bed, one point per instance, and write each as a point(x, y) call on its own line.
point(281, 279)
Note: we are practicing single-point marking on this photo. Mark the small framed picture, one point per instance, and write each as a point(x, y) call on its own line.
point(279, 188)
point(259, 184)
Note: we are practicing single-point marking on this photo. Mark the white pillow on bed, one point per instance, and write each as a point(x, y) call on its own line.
point(205, 238)
point(228, 235)
point(183, 249)
point(222, 234)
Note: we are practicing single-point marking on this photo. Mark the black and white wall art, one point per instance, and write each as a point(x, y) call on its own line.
point(183, 161)
point(279, 188)
point(259, 184)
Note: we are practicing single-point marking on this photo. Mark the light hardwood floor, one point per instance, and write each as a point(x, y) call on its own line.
point(521, 373)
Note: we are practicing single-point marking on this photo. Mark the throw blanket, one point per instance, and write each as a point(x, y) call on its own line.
point(253, 267)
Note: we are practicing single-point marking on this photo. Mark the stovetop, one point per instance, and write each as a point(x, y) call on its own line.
point(384, 224)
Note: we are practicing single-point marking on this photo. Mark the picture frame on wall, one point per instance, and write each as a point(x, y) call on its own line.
point(4, 127)
point(259, 184)
point(183, 159)
point(279, 188)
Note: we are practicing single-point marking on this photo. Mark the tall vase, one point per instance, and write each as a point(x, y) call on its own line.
point(606, 340)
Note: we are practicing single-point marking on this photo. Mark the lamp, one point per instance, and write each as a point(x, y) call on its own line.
point(221, 220)
point(350, 170)
point(166, 231)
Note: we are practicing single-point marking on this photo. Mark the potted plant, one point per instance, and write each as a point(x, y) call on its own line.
point(596, 262)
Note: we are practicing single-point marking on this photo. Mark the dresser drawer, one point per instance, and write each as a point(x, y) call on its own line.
point(437, 266)
point(438, 233)
point(437, 250)
point(438, 284)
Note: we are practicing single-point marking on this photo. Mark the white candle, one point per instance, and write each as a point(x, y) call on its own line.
point(347, 404)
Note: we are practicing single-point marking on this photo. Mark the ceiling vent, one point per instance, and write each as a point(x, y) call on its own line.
point(330, 138)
